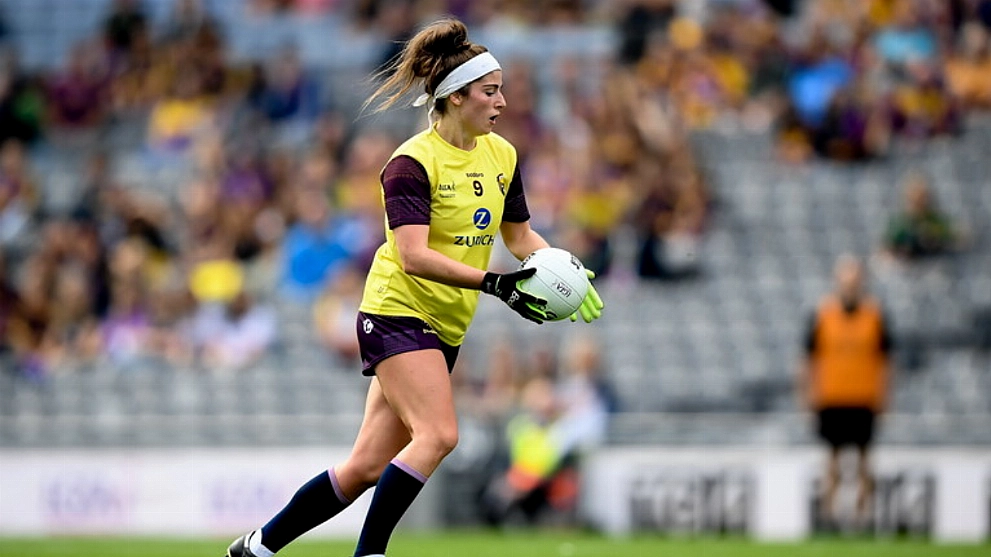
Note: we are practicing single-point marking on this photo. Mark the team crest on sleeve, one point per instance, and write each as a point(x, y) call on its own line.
point(501, 179)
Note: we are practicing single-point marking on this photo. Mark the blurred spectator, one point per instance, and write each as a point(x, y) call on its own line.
point(906, 40)
point(540, 474)
point(922, 106)
point(233, 335)
point(395, 23)
point(357, 192)
point(125, 329)
point(215, 280)
point(244, 180)
point(217, 76)
point(334, 311)
point(491, 398)
point(845, 380)
point(32, 316)
point(147, 74)
point(670, 220)
point(555, 423)
point(286, 91)
point(921, 230)
point(585, 396)
point(187, 20)
point(968, 69)
point(73, 335)
point(170, 309)
point(18, 191)
point(21, 101)
point(78, 95)
point(9, 305)
point(641, 22)
point(125, 21)
point(176, 119)
point(855, 127)
point(316, 247)
point(88, 252)
point(816, 80)
point(95, 183)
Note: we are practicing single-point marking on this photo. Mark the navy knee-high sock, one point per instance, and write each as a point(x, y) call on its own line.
point(397, 488)
point(313, 504)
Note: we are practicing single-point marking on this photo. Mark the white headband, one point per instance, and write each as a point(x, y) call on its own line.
point(462, 75)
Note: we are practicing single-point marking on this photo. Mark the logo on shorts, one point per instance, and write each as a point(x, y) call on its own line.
point(482, 218)
point(367, 326)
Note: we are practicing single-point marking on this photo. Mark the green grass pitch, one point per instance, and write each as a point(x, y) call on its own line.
point(482, 544)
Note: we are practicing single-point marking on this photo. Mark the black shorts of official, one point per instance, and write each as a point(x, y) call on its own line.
point(846, 426)
point(383, 336)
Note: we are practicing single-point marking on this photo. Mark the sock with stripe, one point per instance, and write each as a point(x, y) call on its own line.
point(316, 502)
point(397, 488)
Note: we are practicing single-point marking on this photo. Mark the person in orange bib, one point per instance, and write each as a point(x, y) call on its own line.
point(845, 377)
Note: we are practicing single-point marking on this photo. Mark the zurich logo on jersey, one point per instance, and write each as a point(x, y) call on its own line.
point(482, 218)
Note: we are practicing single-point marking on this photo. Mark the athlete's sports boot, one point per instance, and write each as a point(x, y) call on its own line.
point(240, 548)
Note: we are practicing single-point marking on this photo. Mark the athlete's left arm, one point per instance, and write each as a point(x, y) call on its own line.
point(515, 229)
point(521, 239)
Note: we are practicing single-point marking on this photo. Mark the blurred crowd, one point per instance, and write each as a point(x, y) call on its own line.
point(278, 201)
point(548, 407)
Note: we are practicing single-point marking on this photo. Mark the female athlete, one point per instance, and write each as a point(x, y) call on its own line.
point(447, 191)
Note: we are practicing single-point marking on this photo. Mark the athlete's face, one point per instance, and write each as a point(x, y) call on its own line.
point(483, 104)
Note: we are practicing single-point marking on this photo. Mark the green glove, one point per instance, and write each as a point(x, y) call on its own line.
point(591, 308)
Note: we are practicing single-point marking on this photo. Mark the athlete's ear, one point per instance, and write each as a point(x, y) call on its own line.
point(456, 98)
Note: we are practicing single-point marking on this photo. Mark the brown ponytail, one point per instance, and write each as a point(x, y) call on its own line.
point(427, 58)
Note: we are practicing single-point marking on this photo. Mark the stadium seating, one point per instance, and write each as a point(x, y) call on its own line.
point(710, 360)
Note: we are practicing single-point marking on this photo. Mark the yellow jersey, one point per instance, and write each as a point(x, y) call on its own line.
point(467, 198)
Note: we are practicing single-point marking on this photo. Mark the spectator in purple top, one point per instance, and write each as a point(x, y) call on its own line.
point(245, 179)
point(78, 94)
point(855, 127)
point(127, 326)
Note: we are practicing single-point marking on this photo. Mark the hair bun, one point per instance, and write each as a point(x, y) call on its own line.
point(448, 37)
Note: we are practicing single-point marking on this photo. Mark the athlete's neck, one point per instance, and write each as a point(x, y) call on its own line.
point(451, 131)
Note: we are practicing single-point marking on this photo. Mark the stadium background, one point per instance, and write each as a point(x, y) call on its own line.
point(710, 159)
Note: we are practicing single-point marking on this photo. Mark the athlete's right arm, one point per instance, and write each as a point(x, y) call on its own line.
point(407, 206)
point(419, 260)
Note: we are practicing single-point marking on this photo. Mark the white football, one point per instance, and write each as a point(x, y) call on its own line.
point(560, 279)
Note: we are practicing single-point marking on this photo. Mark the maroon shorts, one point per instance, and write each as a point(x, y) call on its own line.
point(382, 336)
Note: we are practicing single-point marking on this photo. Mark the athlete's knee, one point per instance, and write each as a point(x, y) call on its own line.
point(441, 440)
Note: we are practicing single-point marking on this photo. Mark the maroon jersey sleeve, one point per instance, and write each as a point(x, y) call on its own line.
point(516, 209)
point(407, 192)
